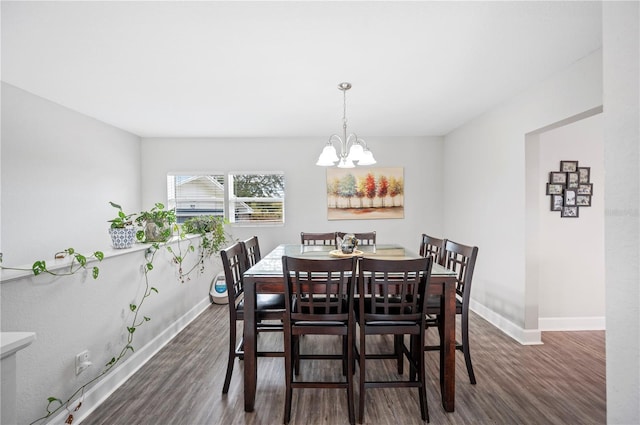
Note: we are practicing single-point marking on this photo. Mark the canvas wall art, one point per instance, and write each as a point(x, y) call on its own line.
point(365, 193)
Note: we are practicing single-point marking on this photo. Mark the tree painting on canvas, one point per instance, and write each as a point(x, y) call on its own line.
point(365, 193)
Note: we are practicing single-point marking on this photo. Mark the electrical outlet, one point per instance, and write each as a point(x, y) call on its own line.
point(82, 361)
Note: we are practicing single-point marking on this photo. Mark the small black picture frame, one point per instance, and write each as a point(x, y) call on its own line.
point(571, 211)
point(585, 189)
point(557, 202)
point(583, 200)
point(568, 166)
point(558, 177)
point(572, 180)
point(555, 188)
point(584, 174)
point(570, 198)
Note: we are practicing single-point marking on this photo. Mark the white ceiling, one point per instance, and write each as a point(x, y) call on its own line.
point(257, 69)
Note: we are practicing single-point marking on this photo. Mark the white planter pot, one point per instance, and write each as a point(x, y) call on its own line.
point(123, 237)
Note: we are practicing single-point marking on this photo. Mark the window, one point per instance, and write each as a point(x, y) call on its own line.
point(243, 198)
point(192, 196)
point(256, 198)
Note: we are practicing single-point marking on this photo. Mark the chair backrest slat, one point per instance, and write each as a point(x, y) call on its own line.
point(364, 238)
point(328, 238)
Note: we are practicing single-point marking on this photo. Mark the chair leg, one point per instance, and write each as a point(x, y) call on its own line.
point(416, 349)
point(232, 358)
point(361, 366)
point(345, 356)
point(288, 372)
point(350, 398)
point(465, 346)
point(296, 355)
point(397, 344)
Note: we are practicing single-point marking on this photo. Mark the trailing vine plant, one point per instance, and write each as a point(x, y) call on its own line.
point(55, 404)
point(212, 237)
point(78, 262)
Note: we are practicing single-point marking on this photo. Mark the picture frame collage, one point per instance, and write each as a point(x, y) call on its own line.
point(570, 188)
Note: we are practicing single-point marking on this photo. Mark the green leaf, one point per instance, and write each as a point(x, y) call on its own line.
point(146, 319)
point(39, 267)
point(149, 266)
point(115, 205)
point(154, 289)
point(131, 329)
point(133, 307)
point(82, 260)
point(130, 348)
point(169, 249)
point(159, 206)
point(52, 399)
point(192, 248)
point(140, 235)
point(112, 361)
point(95, 272)
point(99, 255)
point(70, 251)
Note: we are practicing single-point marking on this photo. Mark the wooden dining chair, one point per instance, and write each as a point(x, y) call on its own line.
point(462, 259)
point(391, 302)
point(269, 308)
point(319, 301)
point(251, 249)
point(318, 238)
point(366, 238)
point(432, 247)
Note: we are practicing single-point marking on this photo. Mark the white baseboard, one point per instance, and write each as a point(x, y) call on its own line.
point(572, 323)
point(113, 380)
point(523, 336)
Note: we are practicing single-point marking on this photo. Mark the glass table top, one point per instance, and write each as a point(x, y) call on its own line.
point(271, 264)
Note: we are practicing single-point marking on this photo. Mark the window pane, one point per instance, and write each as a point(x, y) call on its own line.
point(196, 195)
point(257, 198)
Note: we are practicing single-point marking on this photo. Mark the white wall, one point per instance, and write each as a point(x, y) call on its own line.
point(621, 62)
point(484, 185)
point(59, 170)
point(305, 183)
point(571, 251)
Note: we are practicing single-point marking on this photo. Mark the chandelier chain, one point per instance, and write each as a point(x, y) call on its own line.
point(344, 110)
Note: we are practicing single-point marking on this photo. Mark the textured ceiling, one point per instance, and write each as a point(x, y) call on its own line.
point(258, 69)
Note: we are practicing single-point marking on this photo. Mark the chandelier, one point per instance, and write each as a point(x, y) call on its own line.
point(353, 150)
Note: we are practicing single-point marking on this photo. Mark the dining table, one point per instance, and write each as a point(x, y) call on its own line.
point(266, 276)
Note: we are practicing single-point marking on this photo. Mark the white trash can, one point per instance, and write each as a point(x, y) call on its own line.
point(218, 291)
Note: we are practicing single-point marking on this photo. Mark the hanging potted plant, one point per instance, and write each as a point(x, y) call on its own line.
point(122, 231)
point(157, 224)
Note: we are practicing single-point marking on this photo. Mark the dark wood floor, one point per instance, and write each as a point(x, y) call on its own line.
point(560, 382)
